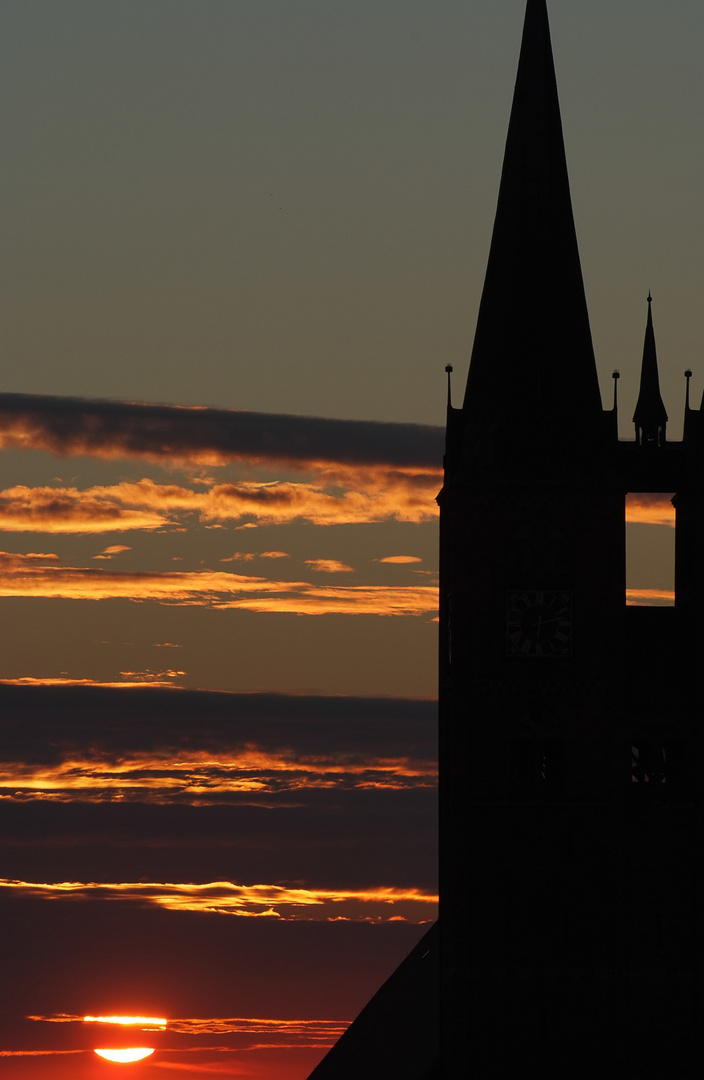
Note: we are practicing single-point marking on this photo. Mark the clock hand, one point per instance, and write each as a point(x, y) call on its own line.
point(543, 622)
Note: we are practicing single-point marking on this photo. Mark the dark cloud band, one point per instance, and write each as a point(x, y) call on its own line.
point(41, 724)
point(124, 429)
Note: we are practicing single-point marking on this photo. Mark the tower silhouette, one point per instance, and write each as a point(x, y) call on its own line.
point(570, 777)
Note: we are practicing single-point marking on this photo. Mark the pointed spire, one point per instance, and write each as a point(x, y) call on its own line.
point(532, 374)
point(650, 416)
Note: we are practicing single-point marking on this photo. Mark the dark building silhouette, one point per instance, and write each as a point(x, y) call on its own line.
point(395, 1037)
point(571, 804)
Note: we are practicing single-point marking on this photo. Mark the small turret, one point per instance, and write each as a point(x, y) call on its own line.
point(650, 417)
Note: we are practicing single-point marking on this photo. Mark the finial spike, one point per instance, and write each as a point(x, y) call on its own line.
point(449, 370)
point(615, 375)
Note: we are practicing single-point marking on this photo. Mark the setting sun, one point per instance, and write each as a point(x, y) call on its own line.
point(135, 1053)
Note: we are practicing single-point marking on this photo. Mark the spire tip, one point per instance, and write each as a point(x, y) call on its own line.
point(449, 370)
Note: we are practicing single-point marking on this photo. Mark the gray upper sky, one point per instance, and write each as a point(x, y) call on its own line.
point(285, 205)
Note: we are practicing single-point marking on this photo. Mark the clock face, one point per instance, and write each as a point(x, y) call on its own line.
point(539, 623)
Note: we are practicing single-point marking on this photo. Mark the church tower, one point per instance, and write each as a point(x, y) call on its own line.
point(570, 780)
point(570, 932)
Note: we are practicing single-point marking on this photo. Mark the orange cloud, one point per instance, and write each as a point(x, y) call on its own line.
point(364, 498)
point(229, 1068)
point(329, 566)
point(21, 576)
point(114, 549)
point(161, 777)
point(249, 556)
point(67, 510)
point(650, 597)
point(152, 677)
point(400, 559)
point(237, 1025)
point(38, 1053)
point(314, 1030)
point(31, 680)
point(18, 576)
point(227, 898)
point(345, 600)
point(358, 496)
point(650, 508)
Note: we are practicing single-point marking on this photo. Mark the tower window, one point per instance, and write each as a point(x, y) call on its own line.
point(648, 764)
point(536, 763)
point(650, 549)
point(658, 762)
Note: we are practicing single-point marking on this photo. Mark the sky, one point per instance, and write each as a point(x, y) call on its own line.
point(241, 241)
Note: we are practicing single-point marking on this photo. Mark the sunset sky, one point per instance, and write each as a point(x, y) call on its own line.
point(217, 778)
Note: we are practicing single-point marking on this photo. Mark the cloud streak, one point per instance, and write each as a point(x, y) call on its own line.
point(202, 779)
point(352, 497)
point(289, 903)
point(202, 748)
point(645, 508)
point(44, 724)
point(650, 597)
point(149, 750)
point(28, 575)
point(314, 1030)
point(167, 433)
point(329, 566)
point(336, 495)
point(68, 510)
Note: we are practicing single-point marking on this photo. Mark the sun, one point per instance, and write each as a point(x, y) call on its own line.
point(134, 1053)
